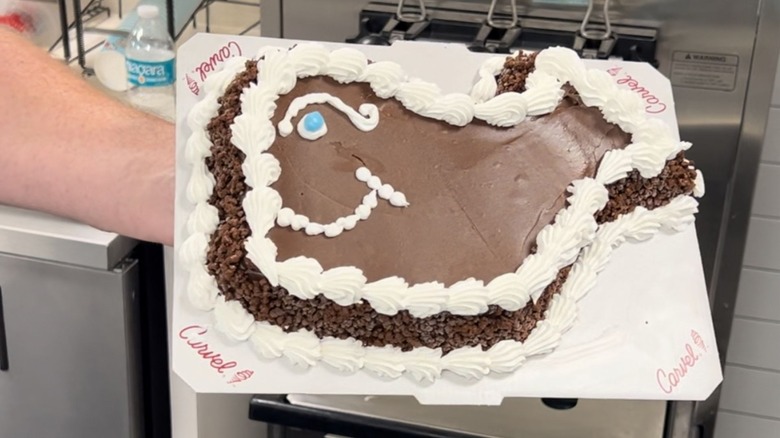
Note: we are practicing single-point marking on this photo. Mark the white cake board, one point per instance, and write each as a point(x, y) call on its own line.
point(636, 333)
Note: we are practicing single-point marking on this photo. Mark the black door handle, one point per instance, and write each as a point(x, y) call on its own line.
point(3, 343)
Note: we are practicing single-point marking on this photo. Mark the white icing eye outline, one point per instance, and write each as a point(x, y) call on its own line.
point(364, 119)
point(312, 126)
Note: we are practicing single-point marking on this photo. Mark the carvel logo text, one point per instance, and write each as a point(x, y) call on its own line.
point(202, 71)
point(653, 103)
point(670, 379)
point(192, 335)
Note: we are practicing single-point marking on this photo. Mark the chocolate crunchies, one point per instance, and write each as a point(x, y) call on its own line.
point(236, 279)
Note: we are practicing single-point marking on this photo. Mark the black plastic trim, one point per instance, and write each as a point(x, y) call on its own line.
point(154, 340)
point(632, 42)
point(275, 409)
point(561, 404)
point(3, 340)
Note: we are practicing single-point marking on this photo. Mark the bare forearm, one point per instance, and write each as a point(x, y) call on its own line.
point(68, 149)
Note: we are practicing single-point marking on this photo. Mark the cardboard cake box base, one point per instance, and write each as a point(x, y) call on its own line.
point(644, 332)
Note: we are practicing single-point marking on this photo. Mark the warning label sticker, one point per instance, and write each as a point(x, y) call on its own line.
point(710, 71)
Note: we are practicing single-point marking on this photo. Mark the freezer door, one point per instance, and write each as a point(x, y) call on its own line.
point(70, 350)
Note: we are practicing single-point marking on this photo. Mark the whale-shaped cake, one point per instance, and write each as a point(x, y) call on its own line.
point(350, 215)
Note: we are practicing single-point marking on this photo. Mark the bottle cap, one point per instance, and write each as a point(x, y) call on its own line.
point(148, 11)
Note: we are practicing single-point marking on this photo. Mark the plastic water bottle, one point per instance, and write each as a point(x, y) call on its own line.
point(150, 61)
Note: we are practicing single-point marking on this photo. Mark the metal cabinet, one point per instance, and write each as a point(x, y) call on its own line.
point(71, 333)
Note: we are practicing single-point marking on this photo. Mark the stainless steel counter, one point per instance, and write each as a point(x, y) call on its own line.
point(70, 329)
point(46, 237)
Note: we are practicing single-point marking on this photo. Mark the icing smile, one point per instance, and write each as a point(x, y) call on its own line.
point(312, 126)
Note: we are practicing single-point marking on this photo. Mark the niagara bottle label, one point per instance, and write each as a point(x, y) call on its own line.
point(150, 73)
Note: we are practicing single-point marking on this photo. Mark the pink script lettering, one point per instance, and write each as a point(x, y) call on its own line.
point(229, 50)
point(191, 334)
point(670, 379)
point(653, 104)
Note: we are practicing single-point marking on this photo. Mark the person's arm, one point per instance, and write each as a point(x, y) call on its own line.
point(67, 149)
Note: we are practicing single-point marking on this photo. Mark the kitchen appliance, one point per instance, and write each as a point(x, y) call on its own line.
point(83, 344)
point(721, 58)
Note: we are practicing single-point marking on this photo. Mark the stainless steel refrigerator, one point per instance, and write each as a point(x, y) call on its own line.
point(82, 332)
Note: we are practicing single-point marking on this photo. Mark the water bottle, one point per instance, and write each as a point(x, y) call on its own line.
point(150, 59)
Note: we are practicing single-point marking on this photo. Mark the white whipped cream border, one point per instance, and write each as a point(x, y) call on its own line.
point(304, 349)
point(653, 145)
point(202, 289)
point(557, 244)
point(304, 278)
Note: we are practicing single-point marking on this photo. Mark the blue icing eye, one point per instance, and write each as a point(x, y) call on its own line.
point(312, 126)
point(313, 121)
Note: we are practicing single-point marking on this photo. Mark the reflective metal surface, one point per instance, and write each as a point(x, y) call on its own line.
point(72, 329)
point(71, 345)
point(41, 236)
point(739, 197)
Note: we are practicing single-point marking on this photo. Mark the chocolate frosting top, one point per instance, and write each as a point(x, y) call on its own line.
point(231, 269)
point(478, 195)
